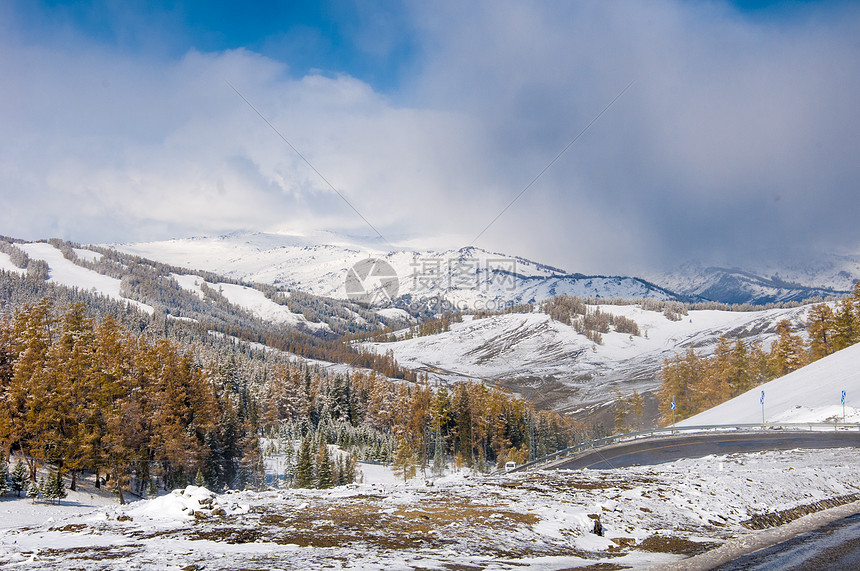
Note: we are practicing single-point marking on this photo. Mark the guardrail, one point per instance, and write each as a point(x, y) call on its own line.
point(671, 431)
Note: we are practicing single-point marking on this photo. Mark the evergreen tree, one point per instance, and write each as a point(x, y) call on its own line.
point(305, 465)
point(45, 489)
point(18, 481)
point(54, 490)
point(324, 476)
point(4, 475)
point(33, 491)
point(199, 480)
point(347, 471)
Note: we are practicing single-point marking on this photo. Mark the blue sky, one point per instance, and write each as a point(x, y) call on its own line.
point(372, 41)
point(735, 143)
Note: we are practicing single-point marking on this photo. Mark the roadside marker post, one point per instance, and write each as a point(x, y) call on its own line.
point(843, 407)
point(673, 414)
point(762, 408)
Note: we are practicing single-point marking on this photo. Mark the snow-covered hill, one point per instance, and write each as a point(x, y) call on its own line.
point(550, 362)
point(65, 272)
point(810, 394)
point(468, 278)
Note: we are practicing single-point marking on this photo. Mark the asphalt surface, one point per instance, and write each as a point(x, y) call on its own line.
point(658, 450)
point(835, 546)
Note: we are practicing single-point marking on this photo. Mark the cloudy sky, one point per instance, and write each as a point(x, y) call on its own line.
point(736, 142)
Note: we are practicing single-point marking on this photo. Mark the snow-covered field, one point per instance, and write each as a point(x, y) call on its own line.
point(651, 517)
point(810, 394)
point(534, 347)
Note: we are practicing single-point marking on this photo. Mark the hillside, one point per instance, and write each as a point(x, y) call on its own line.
point(555, 365)
point(810, 394)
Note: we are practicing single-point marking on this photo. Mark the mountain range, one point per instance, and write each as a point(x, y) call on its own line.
point(472, 278)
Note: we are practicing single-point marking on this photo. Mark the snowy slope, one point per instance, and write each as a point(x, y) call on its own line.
point(810, 394)
point(252, 300)
point(7, 266)
point(533, 349)
point(469, 278)
point(67, 273)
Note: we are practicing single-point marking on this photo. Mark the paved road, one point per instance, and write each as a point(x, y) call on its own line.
point(670, 448)
point(833, 547)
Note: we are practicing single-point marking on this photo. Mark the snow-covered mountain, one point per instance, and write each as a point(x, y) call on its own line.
point(810, 394)
point(824, 276)
point(469, 278)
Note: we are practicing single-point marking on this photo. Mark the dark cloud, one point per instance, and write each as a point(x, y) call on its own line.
point(736, 140)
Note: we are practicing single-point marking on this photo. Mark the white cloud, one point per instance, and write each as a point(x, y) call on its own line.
point(739, 134)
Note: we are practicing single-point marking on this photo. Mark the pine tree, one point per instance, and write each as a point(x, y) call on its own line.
point(347, 471)
point(305, 465)
point(324, 476)
point(33, 491)
point(45, 489)
point(18, 481)
point(199, 480)
point(4, 475)
point(152, 489)
point(53, 487)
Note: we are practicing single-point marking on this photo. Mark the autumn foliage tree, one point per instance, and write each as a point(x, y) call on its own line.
point(81, 395)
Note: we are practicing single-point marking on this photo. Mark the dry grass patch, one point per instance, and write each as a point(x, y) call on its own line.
point(672, 544)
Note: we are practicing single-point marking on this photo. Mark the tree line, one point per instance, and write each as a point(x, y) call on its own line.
point(468, 423)
point(80, 394)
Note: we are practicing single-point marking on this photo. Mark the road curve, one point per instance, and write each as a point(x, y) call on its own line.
point(662, 449)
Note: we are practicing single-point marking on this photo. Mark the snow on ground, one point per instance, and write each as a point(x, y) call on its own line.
point(250, 299)
point(534, 346)
point(651, 516)
point(257, 303)
point(64, 272)
point(810, 394)
point(7, 265)
point(87, 255)
point(394, 314)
